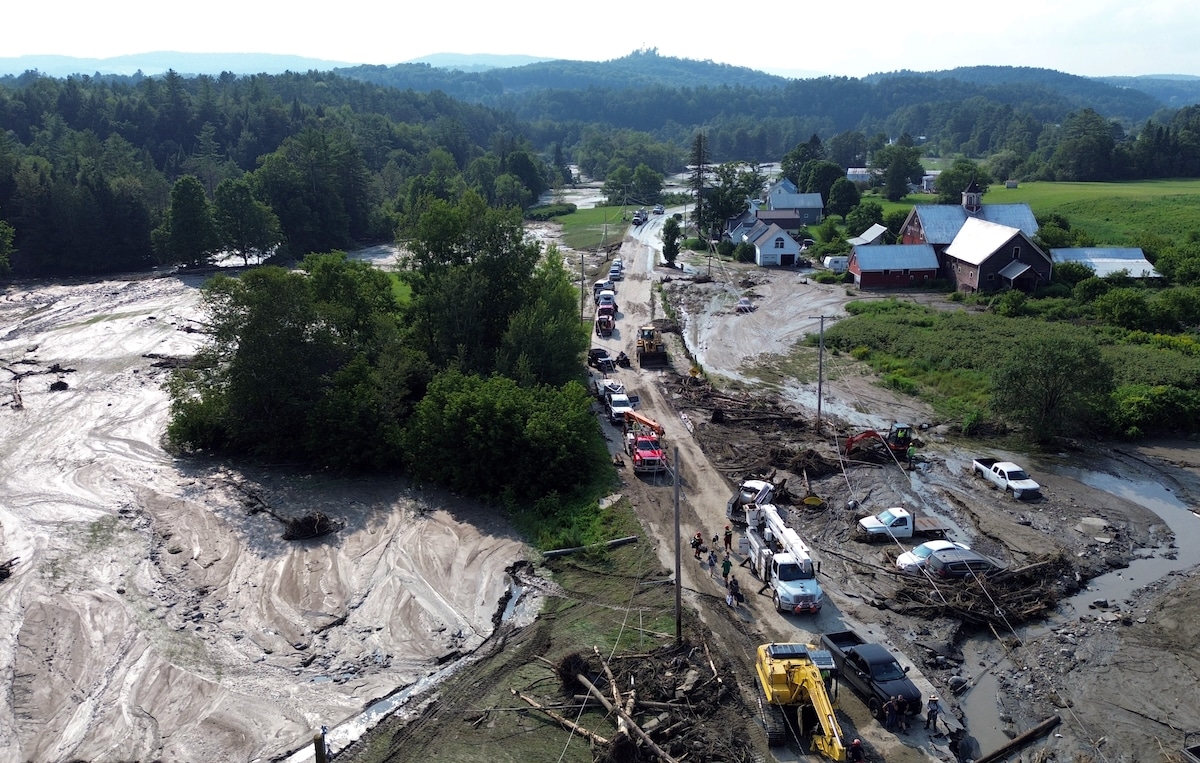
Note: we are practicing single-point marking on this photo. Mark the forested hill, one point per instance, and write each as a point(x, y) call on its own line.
point(1124, 99)
point(1176, 91)
point(641, 69)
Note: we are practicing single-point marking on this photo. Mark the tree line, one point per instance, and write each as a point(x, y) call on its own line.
point(318, 161)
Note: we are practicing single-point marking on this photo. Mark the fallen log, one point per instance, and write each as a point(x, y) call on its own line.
point(610, 544)
point(620, 711)
point(567, 724)
point(1020, 741)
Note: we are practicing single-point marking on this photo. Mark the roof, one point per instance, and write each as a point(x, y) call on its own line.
point(1013, 269)
point(1108, 260)
point(783, 184)
point(979, 239)
point(896, 257)
point(782, 200)
point(941, 222)
point(770, 232)
point(869, 235)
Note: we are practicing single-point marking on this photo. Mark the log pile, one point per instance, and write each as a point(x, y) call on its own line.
point(997, 600)
point(661, 706)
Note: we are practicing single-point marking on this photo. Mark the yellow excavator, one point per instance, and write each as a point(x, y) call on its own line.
point(650, 348)
point(796, 682)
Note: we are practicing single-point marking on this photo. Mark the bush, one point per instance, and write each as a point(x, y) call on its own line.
point(826, 277)
point(726, 248)
point(549, 211)
point(744, 252)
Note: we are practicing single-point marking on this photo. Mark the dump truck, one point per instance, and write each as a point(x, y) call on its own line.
point(871, 671)
point(796, 682)
point(651, 351)
point(896, 523)
point(778, 557)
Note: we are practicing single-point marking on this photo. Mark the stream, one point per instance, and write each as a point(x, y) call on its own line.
point(980, 704)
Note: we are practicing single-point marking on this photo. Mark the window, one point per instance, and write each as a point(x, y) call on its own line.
point(1016, 252)
point(779, 242)
point(906, 271)
point(991, 276)
point(887, 272)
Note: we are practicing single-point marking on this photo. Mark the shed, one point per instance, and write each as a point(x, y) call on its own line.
point(1108, 260)
point(893, 265)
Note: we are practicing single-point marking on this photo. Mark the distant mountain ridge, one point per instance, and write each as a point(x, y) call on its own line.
point(481, 77)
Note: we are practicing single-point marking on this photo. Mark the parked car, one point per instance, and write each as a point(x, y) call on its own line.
point(1007, 476)
point(617, 262)
point(960, 563)
point(615, 273)
point(744, 305)
point(658, 209)
point(912, 561)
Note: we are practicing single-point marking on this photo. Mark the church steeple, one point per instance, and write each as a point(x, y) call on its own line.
point(972, 198)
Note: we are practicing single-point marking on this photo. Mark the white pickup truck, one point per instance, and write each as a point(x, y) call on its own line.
point(1007, 476)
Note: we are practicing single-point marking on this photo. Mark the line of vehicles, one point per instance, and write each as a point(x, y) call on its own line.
point(800, 682)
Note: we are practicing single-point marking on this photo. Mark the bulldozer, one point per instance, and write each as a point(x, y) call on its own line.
point(650, 348)
point(898, 438)
point(796, 681)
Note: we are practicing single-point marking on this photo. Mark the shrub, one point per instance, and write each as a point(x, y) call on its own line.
point(549, 211)
point(744, 252)
point(826, 277)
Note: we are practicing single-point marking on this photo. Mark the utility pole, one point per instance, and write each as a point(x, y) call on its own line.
point(582, 285)
point(820, 366)
point(678, 552)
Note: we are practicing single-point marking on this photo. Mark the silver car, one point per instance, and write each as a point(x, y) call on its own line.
point(913, 561)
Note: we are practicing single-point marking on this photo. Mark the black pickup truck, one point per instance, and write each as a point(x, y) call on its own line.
point(871, 671)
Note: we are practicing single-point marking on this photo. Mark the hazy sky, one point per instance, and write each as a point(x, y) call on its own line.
point(1087, 37)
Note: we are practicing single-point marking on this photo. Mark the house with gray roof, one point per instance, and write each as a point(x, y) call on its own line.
point(893, 265)
point(773, 246)
point(809, 208)
point(1105, 261)
point(987, 256)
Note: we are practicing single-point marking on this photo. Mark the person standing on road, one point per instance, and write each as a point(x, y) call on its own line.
point(932, 711)
point(728, 539)
point(712, 562)
point(726, 566)
point(902, 710)
point(734, 597)
point(697, 544)
point(889, 713)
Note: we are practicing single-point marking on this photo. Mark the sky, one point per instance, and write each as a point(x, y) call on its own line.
point(1084, 37)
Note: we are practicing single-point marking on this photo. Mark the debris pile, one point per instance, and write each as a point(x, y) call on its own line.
point(997, 600)
point(663, 705)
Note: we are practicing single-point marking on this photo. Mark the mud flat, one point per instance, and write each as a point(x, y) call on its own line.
point(151, 613)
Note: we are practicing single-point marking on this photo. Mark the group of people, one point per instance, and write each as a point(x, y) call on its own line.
point(895, 718)
point(733, 591)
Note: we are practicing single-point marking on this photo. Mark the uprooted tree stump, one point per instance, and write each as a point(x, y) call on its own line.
point(310, 525)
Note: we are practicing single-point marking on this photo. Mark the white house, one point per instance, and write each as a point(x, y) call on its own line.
point(773, 246)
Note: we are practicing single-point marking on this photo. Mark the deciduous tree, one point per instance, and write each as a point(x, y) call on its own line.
point(1038, 384)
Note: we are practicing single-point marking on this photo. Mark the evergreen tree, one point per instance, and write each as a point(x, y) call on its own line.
point(188, 236)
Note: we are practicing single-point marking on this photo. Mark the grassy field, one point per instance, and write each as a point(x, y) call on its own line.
point(591, 228)
point(1114, 214)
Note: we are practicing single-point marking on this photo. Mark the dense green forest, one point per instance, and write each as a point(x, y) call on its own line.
point(318, 161)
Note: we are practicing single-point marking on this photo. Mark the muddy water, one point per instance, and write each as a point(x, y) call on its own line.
point(981, 704)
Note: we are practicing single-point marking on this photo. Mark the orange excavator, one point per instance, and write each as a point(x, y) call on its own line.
point(898, 438)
